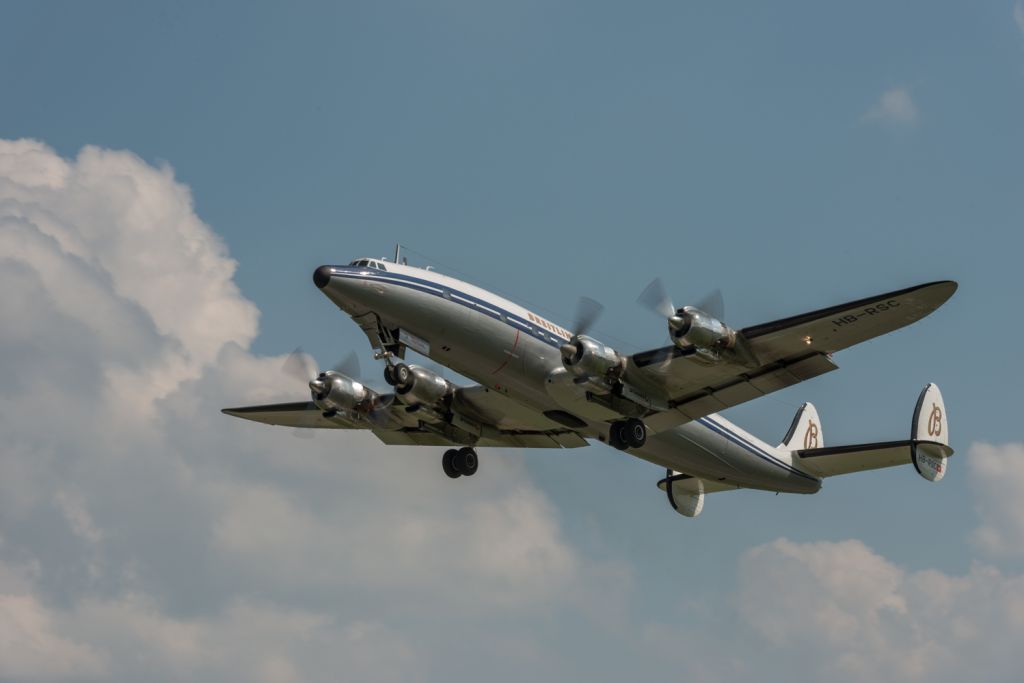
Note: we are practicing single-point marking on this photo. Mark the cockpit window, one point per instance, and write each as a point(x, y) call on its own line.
point(367, 263)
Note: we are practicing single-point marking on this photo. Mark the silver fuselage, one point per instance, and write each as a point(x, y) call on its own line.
point(515, 352)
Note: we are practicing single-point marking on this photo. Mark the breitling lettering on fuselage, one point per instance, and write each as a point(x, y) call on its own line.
point(550, 327)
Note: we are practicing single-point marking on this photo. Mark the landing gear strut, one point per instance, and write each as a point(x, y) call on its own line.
point(458, 462)
point(631, 433)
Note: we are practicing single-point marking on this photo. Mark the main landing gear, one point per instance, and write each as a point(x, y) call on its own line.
point(458, 462)
point(631, 433)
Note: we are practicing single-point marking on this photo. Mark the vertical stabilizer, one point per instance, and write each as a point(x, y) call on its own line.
point(930, 434)
point(805, 432)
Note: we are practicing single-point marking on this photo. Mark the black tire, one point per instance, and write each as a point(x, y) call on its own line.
point(449, 463)
point(619, 435)
point(389, 375)
point(614, 437)
point(466, 461)
point(635, 433)
point(402, 374)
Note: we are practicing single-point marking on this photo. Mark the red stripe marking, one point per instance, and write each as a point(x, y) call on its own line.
point(510, 354)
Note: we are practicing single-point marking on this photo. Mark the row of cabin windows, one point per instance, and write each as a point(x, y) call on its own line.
point(368, 263)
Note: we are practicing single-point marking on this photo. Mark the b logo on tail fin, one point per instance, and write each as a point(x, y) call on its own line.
point(935, 421)
point(811, 435)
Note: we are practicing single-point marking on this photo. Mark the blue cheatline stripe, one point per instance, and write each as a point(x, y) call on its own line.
point(752, 448)
point(514, 321)
point(462, 298)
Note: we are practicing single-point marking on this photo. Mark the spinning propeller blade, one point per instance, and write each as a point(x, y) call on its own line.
point(656, 298)
point(713, 304)
point(587, 313)
point(299, 365)
point(349, 366)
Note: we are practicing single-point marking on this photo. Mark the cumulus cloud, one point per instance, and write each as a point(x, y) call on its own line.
point(894, 107)
point(997, 476)
point(852, 615)
point(142, 531)
point(145, 536)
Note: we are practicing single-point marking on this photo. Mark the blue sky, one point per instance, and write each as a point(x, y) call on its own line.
point(795, 155)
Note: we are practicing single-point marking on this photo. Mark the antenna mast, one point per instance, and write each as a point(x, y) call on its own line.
point(398, 251)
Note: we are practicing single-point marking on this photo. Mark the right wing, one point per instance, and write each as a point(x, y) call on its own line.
point(784, 352)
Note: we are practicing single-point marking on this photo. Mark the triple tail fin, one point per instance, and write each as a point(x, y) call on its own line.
point(927, 448)
point(805, 432)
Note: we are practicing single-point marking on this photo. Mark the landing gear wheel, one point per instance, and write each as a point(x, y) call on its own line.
point(614, 437)
point(631, 433)
point(466, 461)
point(448, 463)
point(635, 432)
point(401, 374)
point(389, 374)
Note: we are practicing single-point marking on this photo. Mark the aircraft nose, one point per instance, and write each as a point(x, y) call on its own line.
point(321, 276)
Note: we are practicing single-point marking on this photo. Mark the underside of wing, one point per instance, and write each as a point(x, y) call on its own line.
point(776, 355)
point(477, 416)
point(302, 414)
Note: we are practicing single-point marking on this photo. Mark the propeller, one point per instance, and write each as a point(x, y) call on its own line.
point(713, 304)
point(349, 366)
point(301, 366)
point(587, 313)
point(656, 298)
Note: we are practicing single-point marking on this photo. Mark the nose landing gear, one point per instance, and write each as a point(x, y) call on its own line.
point(631, 433)
point(458, 462)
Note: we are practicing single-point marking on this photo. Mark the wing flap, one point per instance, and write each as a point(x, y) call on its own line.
point(741, 389)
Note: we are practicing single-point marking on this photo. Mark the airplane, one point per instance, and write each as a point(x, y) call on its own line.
point(542, 385)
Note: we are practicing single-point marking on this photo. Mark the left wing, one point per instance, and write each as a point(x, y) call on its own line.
point(781, 353)
point(488, 418)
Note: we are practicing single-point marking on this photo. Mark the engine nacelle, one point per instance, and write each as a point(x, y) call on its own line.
point(692, 327)
point(588, 358)
point(333, 391)
point(418, 386)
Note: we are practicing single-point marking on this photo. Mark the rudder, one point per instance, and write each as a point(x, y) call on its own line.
point(929, 434)
point(805, 431)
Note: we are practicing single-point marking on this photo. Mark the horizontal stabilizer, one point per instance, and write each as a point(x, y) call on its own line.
point(927, 448)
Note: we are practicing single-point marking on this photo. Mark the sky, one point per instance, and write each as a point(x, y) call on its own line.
point(170, 176)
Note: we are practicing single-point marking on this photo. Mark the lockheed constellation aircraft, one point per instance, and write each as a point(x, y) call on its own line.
point(542, 385)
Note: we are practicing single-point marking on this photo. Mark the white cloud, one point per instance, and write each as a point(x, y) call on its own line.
point(895, 107)
point(145, 531)
point(997, 477)
point(143, 534)
point(852, 615)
